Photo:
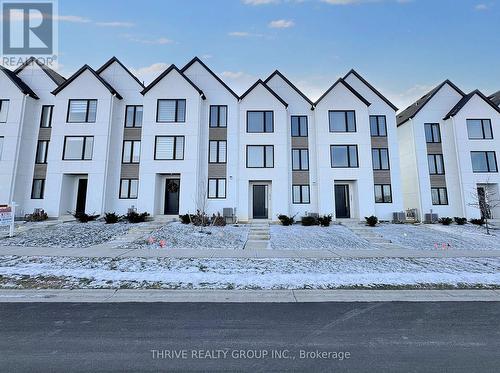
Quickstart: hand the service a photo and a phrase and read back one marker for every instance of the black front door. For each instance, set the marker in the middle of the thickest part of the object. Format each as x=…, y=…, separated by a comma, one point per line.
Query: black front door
x=172, y=188
x=259, y=202
x=81, y=195
x=342, y=210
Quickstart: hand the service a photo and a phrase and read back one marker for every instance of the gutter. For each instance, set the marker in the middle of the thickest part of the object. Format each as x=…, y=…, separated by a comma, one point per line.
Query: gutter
x=16, y=153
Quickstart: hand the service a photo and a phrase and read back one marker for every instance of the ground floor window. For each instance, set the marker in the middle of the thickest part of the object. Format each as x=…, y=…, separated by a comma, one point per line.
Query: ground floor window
x=129, y=188
x=300, y=194
x=216, y=188
x=439, y=196
x=38, y=189
x=383, y=193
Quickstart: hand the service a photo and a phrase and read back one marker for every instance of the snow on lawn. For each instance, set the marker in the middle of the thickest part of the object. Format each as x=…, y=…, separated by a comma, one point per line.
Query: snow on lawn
x=71, y=234
x=178, y=235
x=252, y=273
x=427, y=236
x=297, y=237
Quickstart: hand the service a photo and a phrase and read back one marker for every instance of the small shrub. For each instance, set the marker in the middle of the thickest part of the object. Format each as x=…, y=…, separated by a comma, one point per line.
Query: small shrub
x=111, y=218
x=134, y=217
x=200, y=219
x=477, y=221
x=286, y=220
x=308, y=221
x=82, y=217
x=371, y=220
x=460, y=221
x=38, y=215
x=185, y=219
x=446, y=221
x=325, y=221
x=218, y=220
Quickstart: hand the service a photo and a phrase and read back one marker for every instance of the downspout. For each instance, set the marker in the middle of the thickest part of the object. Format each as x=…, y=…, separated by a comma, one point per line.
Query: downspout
x=462, y=197
x=16, y=153
x=419, y=194
x=106, y=160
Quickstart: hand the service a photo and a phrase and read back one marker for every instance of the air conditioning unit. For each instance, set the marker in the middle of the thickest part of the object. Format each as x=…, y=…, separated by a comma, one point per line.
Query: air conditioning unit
x=431, y=218
x=398, y=217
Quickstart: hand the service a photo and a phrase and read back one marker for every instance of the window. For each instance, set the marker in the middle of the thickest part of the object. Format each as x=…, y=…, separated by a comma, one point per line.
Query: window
x=479, y=129
x=300, y=159
x=383, y=193
x=432, y=132
x=131, y=152
x=342, y=121
x=4, y=109
x=439, y=196
x=129, y=188
x=82, y=111
x=78, y=148
x=300, y=194
x=41, y=151
x=169, y=148
x=171, y=111
x=436, y=164
x=216, y=188
x=378, y=126
x=1, y=147
x=260, y=121
x=299, y=126
x=380, y=159
x=46, y=116
x=217, y=152
x=37, y=188
x=344, y=156
x=133, y=116
x=260, y=156
x=218, y=116
x=484, y=161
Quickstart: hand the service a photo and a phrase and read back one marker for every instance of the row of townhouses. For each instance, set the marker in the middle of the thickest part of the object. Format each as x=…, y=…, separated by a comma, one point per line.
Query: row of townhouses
x=100, y=141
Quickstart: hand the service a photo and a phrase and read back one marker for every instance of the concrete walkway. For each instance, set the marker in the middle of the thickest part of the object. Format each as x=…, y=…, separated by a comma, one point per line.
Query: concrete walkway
x=246, y=296
x=365, y=232
x=258, y=236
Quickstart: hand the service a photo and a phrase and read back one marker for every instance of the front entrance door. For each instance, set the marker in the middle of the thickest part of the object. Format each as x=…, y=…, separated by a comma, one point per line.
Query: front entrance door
x=483, y=205
x=81, y=196
x=260, y=202
x=342, y=210
x=172, y=188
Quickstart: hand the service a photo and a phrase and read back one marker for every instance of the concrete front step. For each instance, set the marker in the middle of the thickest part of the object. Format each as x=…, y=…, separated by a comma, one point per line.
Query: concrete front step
x=256, y=244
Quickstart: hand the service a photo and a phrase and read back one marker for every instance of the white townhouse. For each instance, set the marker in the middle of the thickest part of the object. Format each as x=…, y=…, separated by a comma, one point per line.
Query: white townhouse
x=101, y=141
x=448, y=143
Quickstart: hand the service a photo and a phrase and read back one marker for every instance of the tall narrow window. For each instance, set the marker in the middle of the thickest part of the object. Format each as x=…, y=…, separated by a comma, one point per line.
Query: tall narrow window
x=169, y=148
x=78, y=148
x=300, y=194
x=432, y=133
x=133, y=116
x=260, y=121
x=46, y=116
x=383, y=193
x=378, y=126
x=299, y=126
x=300, y=159
x=38, y=189
x=171, y=111
x=4, y=109
x=344, y=156
x=1, y=147
x=41, y=152
x=129, y=188
x=131, y=152
x=484, y=161
x=380, y=158
x=479, y=129
x=436, y=164
x=82, y=111
x=217, y=152
x=342, y=121
x=260, y=156
x=439, y=196
x=218, y=116
x=216, y=188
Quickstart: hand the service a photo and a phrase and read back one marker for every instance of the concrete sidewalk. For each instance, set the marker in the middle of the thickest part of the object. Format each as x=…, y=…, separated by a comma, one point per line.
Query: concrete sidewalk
x=246, y=296
x=114, y=252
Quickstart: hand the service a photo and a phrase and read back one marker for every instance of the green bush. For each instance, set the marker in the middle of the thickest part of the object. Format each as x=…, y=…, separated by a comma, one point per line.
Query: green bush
x=371, y=220
x=111, y=218
x=286, y=220
x=185, y=219
x=460, y=221
x=84, y=218
x=446, y=220
x=325, y=221
x=477, y=221
x=308, y=221
x=134, y=217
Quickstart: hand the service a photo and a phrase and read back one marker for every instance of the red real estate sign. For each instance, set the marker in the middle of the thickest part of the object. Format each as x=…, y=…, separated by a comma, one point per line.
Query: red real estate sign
x=5, y=215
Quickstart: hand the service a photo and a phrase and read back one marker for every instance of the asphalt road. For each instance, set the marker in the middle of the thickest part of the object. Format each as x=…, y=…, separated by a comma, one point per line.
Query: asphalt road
x=141, y=337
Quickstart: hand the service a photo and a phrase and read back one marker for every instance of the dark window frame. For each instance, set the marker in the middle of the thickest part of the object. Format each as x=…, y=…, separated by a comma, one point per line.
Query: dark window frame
x=88, y=100
x=217, y=187
x=131, y=152
x=218, y=161
x=435, y=157
x=83, y=148
x=432, y=125
x=382, y=190
x=46, y=152
x=300, y=150
x=264, y=123
x=264, y=158
x=1, y=104
x=42, y=190
x=174, y=149
x=177, y=100
x=218, y=124
x=377, y=118
x=134, y=124
x=379, y=151
x=299, y=131
x=346, y=121
x=482, y=129
x=301, y=202
x=51, y=108
x=487, y=161
x=440, y=203
x=129, y=189
x=348, y=156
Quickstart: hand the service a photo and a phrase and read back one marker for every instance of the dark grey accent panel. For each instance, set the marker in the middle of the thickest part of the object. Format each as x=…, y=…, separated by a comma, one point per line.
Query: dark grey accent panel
x=40, y=171
x=380, y=142
x=300, y=177
x=217, y=170
x=434, y=148
x=217, y=133
x=300, y=142
x=382, y=177
x=132, y=133
x=438, y=181
x=44, y=134
x=129, y=171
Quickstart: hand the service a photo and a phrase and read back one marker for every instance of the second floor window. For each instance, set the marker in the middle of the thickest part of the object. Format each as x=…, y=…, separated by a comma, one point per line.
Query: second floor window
x=436, y=164
x=299, y=125
x=133, y=116
x=484, y=161
x=46, y=116
x=4, y=109
x=169, y=148
x=260, y=156
x=479, y=129
x=342, y=121
x=41, y=152
x=300, y=159
x=171, y=111
x=216, y=188
x=217, y=152
x=218, y=116
x=38, y=189
x=344, y=156
x=260, y=121
x=378, y=126
x=78, y=148
x=380, y=159
x=82, y=111
x=432, y=132
x=131, y=151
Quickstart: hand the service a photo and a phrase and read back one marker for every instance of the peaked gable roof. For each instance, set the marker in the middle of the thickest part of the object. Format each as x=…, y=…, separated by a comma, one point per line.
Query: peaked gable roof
x=196, y=59
x=23, y=87
x=113, y=60
x=56, y=77
x=414, y=108
x=347, y=85
x=168, y=71
x=495, y=98
x=454, y=111
x=80, y=72
x=380, y=95
x=260, y=82
x=278, y=73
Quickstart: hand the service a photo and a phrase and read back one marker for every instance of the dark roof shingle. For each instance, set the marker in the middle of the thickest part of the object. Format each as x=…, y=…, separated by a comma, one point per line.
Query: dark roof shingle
x=460, y=104
x=495, y=98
